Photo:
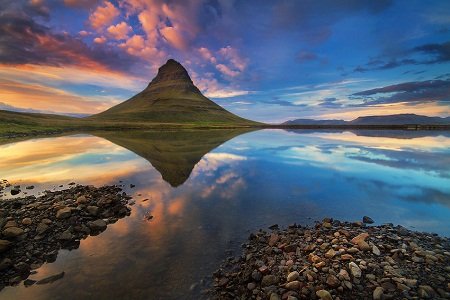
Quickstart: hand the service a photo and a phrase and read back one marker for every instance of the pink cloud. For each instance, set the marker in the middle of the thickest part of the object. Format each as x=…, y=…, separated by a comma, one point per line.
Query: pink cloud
x=207, y=55
x=100, y=40
x=227, y=71
x=174, y=37
x=119, y=31
x=233, y=56
x=103, y=15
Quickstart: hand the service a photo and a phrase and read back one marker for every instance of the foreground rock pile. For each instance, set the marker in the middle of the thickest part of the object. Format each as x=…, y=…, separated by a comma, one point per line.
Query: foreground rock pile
x=338, y=260
x=32, y=230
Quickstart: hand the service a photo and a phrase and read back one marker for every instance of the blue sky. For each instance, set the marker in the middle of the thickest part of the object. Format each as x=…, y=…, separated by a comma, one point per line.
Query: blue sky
x=264, y=60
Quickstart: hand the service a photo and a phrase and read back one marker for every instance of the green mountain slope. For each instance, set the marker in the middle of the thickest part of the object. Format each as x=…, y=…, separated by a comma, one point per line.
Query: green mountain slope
x=171, y=97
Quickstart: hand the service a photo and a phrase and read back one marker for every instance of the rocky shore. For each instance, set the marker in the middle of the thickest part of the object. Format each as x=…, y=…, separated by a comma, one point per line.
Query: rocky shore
x=33, y=229
x=337, y=260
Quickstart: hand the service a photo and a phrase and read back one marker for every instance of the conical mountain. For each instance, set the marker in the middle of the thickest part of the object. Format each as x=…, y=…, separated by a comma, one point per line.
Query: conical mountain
x=171, y=97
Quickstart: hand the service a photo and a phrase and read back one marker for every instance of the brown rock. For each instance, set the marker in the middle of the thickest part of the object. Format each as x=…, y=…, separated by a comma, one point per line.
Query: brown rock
x=360, y=237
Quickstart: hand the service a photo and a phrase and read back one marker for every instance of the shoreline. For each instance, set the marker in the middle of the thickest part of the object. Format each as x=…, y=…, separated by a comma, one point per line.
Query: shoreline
x=337, y=260
x=158, y=127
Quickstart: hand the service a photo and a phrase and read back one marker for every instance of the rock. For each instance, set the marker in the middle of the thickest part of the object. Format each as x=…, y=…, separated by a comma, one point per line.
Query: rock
x=274, y=296
x=65, y=236
x=30, y=187
x=333, y=281
x=97, y=225
x=15, y=191
x=251, y=286
x=290, y=248
x=360, y=237
x=355, y=270
x=81, y=200
x=12, y=232
x=344, y=274
x=256, y=275
x=269, y=280
x=27, y=221
x=330, y=253
x=346, y=257
x=29, y=282
x=4, y=245
x=375, y=250
x=5, y=264
x=324, y=295
x=367, y=220
x=64, y=213
x=363, y=246
x=293, y=285
x=273, y=239
x=41, y=228
x=378, y=293
x=51, y=279
x=293, y=276
x=92, y=210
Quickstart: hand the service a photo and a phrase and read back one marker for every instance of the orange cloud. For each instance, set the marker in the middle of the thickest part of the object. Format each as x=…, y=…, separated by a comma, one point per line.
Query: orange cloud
x=46, y=98
x=103, y=15
x=119, y=31
x=100, y=40
x=174, y=37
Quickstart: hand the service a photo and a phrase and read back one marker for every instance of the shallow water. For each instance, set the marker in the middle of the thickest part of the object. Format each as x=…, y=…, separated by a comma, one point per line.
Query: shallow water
x=207, y=190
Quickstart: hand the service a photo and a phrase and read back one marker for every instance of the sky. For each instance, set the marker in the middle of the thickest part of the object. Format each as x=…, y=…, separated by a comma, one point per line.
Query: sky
x=264, y=60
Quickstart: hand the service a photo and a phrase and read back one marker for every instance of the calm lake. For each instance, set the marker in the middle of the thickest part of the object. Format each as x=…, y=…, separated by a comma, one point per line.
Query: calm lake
x=207, y=190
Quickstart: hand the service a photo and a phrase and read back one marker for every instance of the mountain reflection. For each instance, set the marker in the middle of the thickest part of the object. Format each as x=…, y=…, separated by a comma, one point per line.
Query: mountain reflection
x=173, y=153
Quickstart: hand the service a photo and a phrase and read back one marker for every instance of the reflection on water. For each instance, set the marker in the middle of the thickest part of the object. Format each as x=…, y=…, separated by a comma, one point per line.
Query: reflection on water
x=208, y=189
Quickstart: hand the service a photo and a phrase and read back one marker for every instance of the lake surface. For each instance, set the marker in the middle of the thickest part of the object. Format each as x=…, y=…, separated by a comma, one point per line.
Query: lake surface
x=207, y=190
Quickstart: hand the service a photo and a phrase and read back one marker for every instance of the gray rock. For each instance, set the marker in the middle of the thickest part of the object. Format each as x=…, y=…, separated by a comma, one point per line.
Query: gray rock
x=269, y=280
x=65, y=236
x=367, y=220
x=97, y=225
x=355, y=270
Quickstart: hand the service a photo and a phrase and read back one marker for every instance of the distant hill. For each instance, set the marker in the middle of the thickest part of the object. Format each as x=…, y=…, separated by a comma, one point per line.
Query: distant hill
x=399, y=119
x=171, y=97
x=314, y=122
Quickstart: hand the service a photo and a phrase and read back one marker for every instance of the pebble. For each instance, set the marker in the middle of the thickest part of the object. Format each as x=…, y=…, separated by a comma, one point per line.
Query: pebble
x=378, y=293
x=63, y=213
x=324, y=295
x=354, y=269
x=293, y=276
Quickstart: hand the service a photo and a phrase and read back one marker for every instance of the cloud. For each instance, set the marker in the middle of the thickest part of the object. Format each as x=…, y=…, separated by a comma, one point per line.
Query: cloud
x=174, y=37
x=227, y=71
x=207, y=55
x=426, y=54
x=409, y=92
x=45, y=98
x=119, y=31
x=86, y=4
x=100, y=40
x=103, y=15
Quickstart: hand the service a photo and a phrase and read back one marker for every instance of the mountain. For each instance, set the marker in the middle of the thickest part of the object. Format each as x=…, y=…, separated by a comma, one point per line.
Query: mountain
x=173, y=153
x=314, y=122
x=399, y=119
x=171, y=97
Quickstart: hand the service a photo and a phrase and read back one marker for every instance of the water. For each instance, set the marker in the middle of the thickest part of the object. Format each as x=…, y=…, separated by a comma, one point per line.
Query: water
x=207, y=190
